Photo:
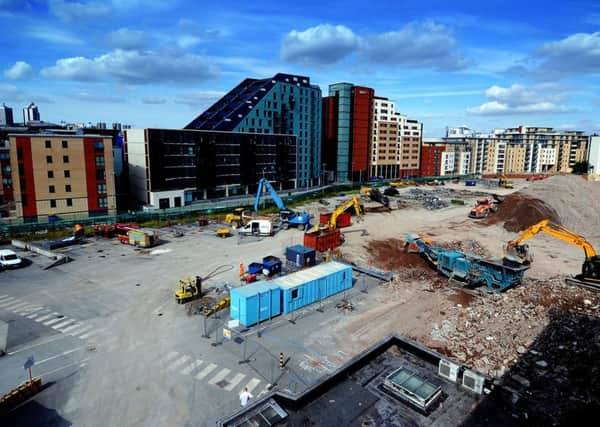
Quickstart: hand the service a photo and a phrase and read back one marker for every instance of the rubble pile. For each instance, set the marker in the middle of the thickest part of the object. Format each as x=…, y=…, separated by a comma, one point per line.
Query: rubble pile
x=495, y=331
x=430, y=199
x=467, y=246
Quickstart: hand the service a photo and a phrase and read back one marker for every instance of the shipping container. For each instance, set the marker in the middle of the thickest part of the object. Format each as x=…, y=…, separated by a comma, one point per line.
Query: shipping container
x=343, y=220
x=323, y=240
x=301, y=255
x=143, y=237
x=271, y=265
x=313, y=284
x=249, y=300
x=255, y=268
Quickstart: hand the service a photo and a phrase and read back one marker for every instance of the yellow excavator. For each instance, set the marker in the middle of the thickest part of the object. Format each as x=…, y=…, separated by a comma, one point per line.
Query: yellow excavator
x=332, y=224
x=504, y=182
x=517, y=251
x=235, y=218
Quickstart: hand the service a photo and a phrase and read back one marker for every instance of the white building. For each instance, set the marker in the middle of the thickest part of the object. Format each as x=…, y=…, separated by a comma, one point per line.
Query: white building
x=594, y=158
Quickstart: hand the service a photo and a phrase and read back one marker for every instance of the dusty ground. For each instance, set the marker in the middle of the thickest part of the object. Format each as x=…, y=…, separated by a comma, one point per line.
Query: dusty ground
x=493, y=333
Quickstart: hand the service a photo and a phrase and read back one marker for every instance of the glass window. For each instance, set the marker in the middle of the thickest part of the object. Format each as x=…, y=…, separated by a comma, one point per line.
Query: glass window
x=51, y=188
x=101, y=188
x=66, y=159
x=48, y=144
x=68, y=188
x=65, y=144
x=69, y=202
x=50, y=174
x=98, y=145
x=100, y=174
x=52, y=203
x=99, y=160
x=102, y=202
x=48, y=159
x=67, y=174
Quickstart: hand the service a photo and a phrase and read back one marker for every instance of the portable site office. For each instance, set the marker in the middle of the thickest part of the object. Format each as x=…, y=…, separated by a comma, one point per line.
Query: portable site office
x=249, y=300
x=313, y=284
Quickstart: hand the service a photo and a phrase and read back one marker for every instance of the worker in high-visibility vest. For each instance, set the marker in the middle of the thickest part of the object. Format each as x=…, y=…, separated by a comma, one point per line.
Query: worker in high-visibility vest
x=242, y=269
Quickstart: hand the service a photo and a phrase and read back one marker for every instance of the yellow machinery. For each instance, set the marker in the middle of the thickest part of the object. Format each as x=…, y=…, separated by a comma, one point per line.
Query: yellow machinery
x=365, y=191
x=223, y=232
x=517, y=251
x=221, y=305
x=332, y=224
x=504, y=182
x=235, y=218
x=402, y=183
x=188, y=289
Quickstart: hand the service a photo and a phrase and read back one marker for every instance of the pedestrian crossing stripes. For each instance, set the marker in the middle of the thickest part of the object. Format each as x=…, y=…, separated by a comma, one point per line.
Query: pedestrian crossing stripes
x=46, y=317
x=220, y=376
x=206, y=371
x=178, y=362
x=169, y=356
x=80, y=331
x=55, y=320
x=252, y=384
x=63, y=324
x=234, y=381
x=191, y=367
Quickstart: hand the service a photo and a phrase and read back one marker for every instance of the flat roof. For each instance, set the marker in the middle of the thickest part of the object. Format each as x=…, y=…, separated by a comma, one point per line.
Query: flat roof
x=300, y=277
x=61, y=135
x=214, y=131
x=254, y=288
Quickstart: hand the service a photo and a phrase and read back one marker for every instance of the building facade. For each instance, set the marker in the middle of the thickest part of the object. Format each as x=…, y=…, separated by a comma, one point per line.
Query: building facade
x=594, y=157
x=175, y=167
x=66, y=176
x=410, y=155
x=6, y=116
x=284, y=104
x=31, y=114
x=386, y=139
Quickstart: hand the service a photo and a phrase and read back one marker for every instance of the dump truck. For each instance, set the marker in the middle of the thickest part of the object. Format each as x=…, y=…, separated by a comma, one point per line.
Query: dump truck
x=483, y=207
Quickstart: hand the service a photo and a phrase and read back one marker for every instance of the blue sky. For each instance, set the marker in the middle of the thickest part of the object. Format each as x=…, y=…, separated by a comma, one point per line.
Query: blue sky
x=484, y=64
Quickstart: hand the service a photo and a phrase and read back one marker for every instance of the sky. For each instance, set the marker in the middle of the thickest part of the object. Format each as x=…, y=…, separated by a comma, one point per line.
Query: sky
x=483, y=64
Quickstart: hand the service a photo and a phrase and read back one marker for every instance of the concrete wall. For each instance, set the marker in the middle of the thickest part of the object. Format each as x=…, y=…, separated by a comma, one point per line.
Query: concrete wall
x=139, y=179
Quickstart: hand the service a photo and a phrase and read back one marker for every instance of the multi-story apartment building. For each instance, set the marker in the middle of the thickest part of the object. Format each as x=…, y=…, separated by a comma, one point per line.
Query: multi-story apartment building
x=62, y=175
x=31, y=114
x=387, y=139
x=441, y=156
x=594, y=157
x=6, y=116
x=410, y=156
x=284, y=104
x=175, y=167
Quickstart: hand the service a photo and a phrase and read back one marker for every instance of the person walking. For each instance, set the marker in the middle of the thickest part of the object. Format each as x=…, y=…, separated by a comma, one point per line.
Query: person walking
x=245, y=396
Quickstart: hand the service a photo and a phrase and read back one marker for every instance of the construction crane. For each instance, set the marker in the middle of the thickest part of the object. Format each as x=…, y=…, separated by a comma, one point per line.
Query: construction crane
x=289, y=218
x=332, y=224
x=517, y=251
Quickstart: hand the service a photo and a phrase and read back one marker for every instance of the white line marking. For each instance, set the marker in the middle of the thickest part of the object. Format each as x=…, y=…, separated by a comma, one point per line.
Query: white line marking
x=31, y=316
x=81, y=364
x=5, y=298
x=24, y=308
x=220, y=376
x=82, y=330
x=53, y=321
x=54, y=337
x=178, y=362
x=91, y=333
x=252, y=384
x=71, y=327
x=48, y=316
x=169, y=356
x=265, y=391
x=29, y=310
x=64, y=353
x=206, y=371
x=11, y=307
x=8, y=302
x=235, y=381
x=63, y=324
x=190, y=368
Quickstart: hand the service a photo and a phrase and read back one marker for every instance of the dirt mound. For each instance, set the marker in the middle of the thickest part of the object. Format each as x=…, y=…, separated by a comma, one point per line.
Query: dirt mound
x=390, y=255
x=519, y=211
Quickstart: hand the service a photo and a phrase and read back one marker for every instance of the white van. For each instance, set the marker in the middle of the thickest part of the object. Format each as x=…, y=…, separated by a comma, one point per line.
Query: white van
x=257, y=227
x=9, y=259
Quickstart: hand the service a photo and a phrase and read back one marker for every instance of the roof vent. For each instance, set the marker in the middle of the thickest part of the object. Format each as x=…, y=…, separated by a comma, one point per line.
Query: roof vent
x=473, y=381
x=448, y=370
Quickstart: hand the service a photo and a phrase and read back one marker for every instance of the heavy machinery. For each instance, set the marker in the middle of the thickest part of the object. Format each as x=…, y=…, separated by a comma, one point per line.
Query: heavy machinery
x=403, y=183
x=376, y=195
x=465, y=269
x=235, y=218
x=188, y=289
x=332, y=224
x=517, y=251
x=482, y=208
x=288, y=217
x=504, y=182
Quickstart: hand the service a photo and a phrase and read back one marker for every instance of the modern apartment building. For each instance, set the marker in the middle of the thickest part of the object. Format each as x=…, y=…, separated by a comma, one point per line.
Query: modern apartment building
x=175, y=167
x=31, y=114
x=594, y=157
x=284, y=104
x=410, y=154
x=62, y=175
x=6, y=116
x=442, y=157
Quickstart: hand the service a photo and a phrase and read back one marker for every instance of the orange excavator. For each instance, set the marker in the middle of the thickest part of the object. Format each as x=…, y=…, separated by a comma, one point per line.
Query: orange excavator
x=483, y=208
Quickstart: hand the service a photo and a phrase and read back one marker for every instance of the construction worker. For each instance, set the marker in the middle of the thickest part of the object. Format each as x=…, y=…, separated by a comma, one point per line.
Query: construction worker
x=245, y=396
x=242, y=269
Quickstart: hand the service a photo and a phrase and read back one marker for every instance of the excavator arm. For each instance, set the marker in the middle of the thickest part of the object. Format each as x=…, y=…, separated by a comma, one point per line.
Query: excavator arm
x=266, y=184
x=516, y=247
x=341, y=209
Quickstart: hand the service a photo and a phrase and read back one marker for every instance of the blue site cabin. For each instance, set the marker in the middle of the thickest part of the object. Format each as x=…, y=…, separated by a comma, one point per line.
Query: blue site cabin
x=259, y=297
x=313, y=284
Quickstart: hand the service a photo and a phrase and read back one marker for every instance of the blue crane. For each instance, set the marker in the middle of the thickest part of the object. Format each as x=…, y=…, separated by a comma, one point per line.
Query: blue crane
x=288, y=217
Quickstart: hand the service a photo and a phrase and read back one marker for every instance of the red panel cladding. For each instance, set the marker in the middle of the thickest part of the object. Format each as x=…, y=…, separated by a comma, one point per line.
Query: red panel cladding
x=24, y=143
x=329, y=132
x=90, y=174
x=362, y=127
x=431, y=160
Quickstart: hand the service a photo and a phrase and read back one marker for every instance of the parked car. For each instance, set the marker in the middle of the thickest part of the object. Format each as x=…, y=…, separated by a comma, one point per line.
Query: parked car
x=9, y=259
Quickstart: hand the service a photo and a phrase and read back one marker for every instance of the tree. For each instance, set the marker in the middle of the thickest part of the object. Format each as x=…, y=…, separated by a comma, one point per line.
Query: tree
x=580, y=168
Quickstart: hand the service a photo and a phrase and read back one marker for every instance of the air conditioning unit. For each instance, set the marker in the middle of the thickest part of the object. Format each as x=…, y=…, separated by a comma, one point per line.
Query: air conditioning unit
x=473, y=381
x=448, y=370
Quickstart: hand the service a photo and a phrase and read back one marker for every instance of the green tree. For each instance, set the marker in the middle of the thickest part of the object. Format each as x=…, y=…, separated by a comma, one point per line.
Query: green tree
x=580, y=168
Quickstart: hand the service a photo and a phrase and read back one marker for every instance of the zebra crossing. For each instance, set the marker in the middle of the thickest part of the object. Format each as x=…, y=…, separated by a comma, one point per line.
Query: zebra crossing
x=211, y=373
x=57, y=321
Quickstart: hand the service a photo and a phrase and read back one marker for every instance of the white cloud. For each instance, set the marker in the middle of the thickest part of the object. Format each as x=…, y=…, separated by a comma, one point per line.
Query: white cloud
x=199, y=98
x=578, y=53
x=519, y=99
x=416, y=45
x=127, y=39
x=153, y=100
x=69, y=11
x=446, y=93
x=52, y=35
x=134, y=67
x=323, y=44
x=96, y=97
x=19, y=71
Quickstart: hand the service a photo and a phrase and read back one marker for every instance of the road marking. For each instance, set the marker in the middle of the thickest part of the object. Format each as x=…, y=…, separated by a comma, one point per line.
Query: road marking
x=188, y=369
x=206, y=371
x=220, y=376
x=91, y=333
x=168, y=357
x=11, y=307
x=235, y=381
x=85, y=328
x=71, y=327
x=48, y=316
x=64, y=353
x=53, y=321
x=29, y=310
x=31, y=316
x=54, y=337
x=63, y=324
x=5, y=298
x=178, y=362
x=9, y=301
x=81, y=364
x=264, y=391
x=252, y=384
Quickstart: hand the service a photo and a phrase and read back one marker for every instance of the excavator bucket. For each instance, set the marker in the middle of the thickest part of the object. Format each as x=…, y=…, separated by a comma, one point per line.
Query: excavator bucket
x=518, y=253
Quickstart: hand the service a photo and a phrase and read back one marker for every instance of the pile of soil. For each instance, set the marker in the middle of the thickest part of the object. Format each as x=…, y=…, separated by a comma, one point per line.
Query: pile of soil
x=390, y=255
x=519, y=211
